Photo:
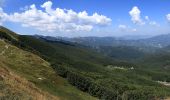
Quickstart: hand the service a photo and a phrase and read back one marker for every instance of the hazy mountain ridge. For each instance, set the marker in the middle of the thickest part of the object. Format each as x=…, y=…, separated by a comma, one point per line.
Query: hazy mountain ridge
x=155, y=41
x=140, y=47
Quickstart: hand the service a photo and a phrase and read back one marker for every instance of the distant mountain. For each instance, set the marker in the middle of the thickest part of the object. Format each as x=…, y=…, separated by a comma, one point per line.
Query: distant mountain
x=117, y=48
x=156, y=41
x=122, y=49
x=133, y=37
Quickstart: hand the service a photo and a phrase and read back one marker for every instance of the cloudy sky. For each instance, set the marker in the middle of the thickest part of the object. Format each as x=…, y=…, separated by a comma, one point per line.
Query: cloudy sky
x=86, y=17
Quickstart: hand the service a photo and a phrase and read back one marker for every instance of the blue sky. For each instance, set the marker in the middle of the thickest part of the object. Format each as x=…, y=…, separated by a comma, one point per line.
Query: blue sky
x=86, y=17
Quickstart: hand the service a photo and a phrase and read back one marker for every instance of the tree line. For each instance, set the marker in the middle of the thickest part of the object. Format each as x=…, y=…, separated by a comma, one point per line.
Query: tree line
x=119, y=92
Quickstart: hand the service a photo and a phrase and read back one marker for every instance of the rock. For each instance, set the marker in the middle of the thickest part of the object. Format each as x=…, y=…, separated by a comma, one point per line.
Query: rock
x=40, y=78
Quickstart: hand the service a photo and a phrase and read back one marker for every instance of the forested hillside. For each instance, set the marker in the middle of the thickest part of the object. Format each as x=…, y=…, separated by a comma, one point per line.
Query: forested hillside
x=92, y=72
x=26, y=76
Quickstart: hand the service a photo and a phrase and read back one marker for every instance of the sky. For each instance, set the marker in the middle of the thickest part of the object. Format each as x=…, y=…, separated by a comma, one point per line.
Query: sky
x=78, y=18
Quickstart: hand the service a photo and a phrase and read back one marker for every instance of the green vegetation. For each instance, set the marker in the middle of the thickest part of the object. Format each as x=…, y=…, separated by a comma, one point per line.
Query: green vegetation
x=14, y=87
x=85, y=69
x=38, y=72
x=128, y=53
x=88, y=71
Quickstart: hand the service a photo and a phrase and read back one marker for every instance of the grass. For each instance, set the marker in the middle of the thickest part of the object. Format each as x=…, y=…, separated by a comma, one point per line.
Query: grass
x=83, y=63
x=39, y=72
x=14, y=87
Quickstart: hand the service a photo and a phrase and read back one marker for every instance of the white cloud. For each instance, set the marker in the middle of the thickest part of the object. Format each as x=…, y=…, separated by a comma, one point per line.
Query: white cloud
x=147, y=18
x=168, y=17
x=122, y=27
x=52, y=20
x=153, y=23
x=150, y=22
x=135, y=16
x=3, y=16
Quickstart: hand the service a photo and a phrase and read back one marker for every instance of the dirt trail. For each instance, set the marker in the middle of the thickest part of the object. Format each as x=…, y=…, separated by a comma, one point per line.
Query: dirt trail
x=167, y=98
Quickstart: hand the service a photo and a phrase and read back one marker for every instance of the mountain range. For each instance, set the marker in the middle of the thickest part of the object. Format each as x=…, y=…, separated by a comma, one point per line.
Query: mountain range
x=85, y=68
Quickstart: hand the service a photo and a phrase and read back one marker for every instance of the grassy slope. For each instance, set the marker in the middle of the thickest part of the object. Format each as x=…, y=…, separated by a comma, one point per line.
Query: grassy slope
x=14, y=87
x=33, y=67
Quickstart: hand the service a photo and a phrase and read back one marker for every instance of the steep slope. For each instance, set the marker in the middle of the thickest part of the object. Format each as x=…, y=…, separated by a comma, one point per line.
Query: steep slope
x=14, y=87
x=12, y=84
x=34, y=73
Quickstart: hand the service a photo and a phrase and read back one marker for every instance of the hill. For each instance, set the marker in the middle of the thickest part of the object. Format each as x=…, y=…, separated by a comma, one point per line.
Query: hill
x=84, y=68
x=89, y=71
x=21, y=70
x=14, y=87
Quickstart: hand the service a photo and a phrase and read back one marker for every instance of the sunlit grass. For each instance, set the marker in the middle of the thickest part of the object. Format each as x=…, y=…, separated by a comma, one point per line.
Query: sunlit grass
x=39, y=72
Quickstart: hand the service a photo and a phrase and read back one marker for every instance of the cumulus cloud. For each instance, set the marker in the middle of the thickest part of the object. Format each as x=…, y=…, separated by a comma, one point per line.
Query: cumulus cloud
x=150, y=22
x=135, y=16
x=168, y=17
x=52, y=20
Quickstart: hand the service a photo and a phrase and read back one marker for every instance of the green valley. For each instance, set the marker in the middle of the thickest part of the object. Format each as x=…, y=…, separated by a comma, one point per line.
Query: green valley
x=89, y=71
